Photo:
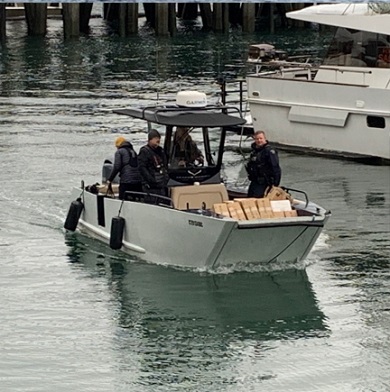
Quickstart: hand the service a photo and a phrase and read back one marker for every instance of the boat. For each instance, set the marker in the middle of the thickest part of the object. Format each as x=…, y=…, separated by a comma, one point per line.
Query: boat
x=202, y=224
x=340, y=107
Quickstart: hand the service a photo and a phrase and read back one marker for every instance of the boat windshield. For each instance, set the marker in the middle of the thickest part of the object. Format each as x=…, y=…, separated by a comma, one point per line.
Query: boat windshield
x=191, y=147
x=359, y=49
x=194, y=153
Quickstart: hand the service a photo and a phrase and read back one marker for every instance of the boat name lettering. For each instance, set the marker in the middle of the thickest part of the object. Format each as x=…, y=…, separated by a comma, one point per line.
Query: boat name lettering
x=195, y=223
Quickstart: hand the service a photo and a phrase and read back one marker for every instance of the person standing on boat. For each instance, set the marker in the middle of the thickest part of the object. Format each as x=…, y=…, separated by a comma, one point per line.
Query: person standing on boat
x=153, y=165
x=126, y=164
x=263, y=166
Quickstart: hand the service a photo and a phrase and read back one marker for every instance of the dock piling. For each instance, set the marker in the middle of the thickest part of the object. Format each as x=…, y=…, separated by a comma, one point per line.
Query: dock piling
x=2, y=24
x=206, y=15
x=36, y=18
x=71, y=17
x=132, y=18
x=248, y=17
x=172, y=19
x=162, y=10
x=161, y=16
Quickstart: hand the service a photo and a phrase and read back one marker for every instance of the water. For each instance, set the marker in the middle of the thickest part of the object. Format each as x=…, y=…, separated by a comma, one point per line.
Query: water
x=77, y=316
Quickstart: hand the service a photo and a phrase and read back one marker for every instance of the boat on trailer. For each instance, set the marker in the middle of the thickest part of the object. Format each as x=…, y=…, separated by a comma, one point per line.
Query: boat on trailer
x=339, y=108
x=201, y=224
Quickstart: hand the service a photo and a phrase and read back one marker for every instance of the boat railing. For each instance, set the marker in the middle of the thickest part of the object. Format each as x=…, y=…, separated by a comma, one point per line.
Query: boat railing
x=338, y=70
x=233, y=92
x=289, y=190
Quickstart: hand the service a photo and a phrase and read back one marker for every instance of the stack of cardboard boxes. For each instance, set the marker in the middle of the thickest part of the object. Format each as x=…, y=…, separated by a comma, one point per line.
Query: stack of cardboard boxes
x=252, y=208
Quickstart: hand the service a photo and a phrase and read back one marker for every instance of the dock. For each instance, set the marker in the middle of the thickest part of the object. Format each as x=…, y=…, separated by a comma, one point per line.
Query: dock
x=162, y=17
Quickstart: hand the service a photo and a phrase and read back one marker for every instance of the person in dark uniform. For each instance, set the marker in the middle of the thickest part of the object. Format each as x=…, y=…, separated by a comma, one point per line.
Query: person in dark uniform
x=153, y=165
x=263, y=167
x=126, y=164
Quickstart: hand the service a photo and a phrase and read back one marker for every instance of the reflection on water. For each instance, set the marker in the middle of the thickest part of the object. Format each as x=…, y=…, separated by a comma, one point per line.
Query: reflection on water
x=175, y=320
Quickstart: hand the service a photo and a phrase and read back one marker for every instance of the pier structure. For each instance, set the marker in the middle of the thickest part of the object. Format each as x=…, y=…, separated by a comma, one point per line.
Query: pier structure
x=162, y=17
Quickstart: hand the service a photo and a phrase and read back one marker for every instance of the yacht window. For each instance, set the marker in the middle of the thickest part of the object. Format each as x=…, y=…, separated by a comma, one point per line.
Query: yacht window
x=358, y=49
x=376, y=122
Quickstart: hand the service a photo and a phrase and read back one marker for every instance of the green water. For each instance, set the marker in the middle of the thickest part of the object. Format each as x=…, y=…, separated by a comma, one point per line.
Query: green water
x=77, y=316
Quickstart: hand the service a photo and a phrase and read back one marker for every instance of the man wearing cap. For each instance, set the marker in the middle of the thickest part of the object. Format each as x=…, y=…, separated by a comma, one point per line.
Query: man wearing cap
x=153, y=165
x=126, y=164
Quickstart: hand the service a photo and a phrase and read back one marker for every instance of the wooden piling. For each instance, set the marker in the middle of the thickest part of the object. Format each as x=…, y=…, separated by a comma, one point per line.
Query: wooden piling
x=36, y=18
x=2, y=24
x=206, y=15
x=271, y=18
x=217, y=17
x=172, y=19
x=122, y=19
x=132, y=18
x=248, y=17
x=225, y=16
x=187, y=11
x=281, y=9
x=235, y=16
x=161, y=19
x=71, y=17
x=85, y=16
x=150, y=14
x=161, y=16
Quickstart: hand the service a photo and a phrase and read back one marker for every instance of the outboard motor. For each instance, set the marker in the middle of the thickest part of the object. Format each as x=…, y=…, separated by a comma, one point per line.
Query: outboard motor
x=74, y=213
x=106, y=171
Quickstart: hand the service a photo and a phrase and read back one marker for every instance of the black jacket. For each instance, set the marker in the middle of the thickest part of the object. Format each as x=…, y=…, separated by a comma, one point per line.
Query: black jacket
x=126, y=164
x=263, y=166
x=153, y=166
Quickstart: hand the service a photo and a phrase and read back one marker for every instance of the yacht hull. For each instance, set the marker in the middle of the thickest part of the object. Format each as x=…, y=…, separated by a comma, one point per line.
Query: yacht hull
x=338, y=119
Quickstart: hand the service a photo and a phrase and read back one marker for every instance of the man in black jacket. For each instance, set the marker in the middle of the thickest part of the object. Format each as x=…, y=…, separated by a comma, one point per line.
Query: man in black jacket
x=153, y=165
x=126, y=164
x=263, y=166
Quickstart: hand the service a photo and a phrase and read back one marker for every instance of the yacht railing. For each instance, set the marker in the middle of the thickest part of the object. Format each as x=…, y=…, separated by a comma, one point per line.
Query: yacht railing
x=235, y=95
x=337, y=71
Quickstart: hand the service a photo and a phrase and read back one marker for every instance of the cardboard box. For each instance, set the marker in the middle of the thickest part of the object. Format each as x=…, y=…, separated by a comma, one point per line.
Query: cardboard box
x=264, y=205
x=221, y=209
x=266, y=214
x=236, y=211
x=278, y=214
x=280, y=205
x=250, y=208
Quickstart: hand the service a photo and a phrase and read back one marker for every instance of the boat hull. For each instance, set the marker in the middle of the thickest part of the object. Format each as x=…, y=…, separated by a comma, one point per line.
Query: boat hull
x=323, y=117
x=167, y=236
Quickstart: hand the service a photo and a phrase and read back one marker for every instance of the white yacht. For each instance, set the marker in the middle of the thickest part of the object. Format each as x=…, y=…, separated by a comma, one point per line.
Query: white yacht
x=341, y=107
x=201, y=224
